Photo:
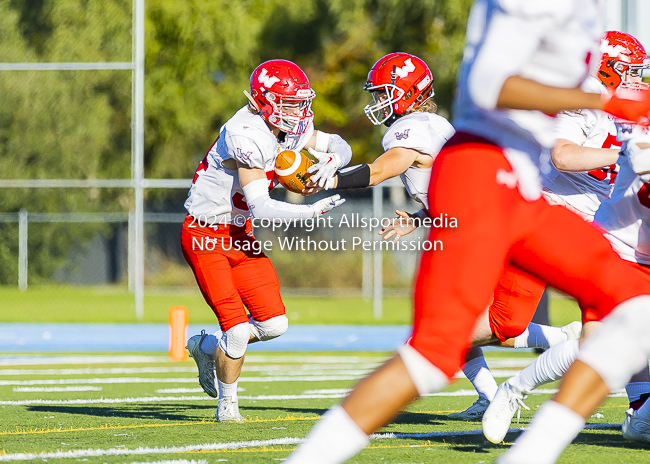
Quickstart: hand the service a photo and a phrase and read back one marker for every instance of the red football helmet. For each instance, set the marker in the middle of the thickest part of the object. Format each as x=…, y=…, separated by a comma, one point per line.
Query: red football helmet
x=623, y=58
x=398, y=82
x=280, y=91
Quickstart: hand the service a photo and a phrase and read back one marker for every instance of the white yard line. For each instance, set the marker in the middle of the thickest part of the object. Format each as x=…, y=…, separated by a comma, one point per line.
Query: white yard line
x=31, y=360
x=179, y=390
x=175, y=461
x=56, y=389
x=235, y=445
x=275, y=368
x=147, y=450
x=126, y=380
x=116, y=370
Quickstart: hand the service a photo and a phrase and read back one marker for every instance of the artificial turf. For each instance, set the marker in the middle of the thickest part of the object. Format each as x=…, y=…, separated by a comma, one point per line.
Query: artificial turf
x=144, y=408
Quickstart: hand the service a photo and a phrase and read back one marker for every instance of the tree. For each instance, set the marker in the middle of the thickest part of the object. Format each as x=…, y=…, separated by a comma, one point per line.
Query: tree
x=199, y=56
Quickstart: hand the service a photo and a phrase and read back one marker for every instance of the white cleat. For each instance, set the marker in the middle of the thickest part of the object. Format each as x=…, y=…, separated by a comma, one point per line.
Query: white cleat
x=498, y=416
x=473, y=413
x=204, y=362
x=634, y=428
x=573, y=330
x=228, y=410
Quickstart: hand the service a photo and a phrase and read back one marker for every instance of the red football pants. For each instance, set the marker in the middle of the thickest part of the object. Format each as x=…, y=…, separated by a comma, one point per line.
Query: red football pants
x=231, y=274
x=515, y=301
x=497, y=227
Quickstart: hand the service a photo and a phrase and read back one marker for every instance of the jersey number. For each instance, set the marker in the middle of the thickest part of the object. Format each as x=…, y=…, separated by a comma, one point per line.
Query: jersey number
x=608, y=172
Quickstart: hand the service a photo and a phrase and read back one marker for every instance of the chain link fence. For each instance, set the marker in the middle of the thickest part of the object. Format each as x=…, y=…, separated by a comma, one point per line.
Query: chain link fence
x=63, y=250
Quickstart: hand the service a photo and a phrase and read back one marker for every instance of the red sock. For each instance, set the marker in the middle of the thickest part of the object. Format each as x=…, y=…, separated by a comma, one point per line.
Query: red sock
x=638, y=403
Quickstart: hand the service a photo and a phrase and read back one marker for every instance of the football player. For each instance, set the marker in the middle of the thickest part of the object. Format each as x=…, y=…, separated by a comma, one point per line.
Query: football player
x=402, y=88
x=231, y=186
x=517, y=71
x=584, y=141
x=625, y=218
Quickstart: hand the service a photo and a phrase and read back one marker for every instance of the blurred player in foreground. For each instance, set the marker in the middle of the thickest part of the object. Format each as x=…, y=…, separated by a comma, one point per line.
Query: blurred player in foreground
x=625, y=217
x=584, y=141
x=402, y=89
x=231, y=186
x=517, y=71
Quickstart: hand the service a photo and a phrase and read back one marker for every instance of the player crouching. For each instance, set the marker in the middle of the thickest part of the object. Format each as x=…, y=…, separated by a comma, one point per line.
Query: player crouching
x=231, y=186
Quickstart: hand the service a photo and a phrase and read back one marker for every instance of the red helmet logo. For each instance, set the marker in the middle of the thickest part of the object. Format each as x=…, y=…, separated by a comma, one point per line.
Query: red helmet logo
x=398, y=82
x=280, y=91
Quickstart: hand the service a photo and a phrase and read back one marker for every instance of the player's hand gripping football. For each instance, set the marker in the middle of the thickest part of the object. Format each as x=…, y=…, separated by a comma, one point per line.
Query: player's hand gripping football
x=401, y=226
x=629, y=104
x=322, y=173
x=327, y=204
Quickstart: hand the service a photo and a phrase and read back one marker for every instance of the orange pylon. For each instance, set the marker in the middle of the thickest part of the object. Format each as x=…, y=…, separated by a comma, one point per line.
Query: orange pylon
x=178, y=320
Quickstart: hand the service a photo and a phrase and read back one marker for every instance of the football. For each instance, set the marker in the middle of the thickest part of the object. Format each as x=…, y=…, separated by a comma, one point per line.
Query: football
x=291, y=168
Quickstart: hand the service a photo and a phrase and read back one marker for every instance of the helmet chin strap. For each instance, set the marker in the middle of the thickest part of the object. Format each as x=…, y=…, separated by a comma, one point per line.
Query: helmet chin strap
x=392, y=118
x=252, y=101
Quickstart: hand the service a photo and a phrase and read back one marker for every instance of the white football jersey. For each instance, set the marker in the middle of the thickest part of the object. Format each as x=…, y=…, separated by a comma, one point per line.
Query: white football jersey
x=426, y=133
x=216, y=195
x=585, y=191
x=552, y=42
x=626, y=215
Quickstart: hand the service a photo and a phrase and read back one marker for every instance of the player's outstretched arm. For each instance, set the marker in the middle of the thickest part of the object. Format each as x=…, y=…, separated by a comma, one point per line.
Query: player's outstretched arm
x=571, y=157
x=519, y=93
x=391, y=164
x=255, y=186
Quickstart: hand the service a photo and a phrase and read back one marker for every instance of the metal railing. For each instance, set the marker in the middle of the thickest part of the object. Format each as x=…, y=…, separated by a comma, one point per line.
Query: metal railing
x=372, y=260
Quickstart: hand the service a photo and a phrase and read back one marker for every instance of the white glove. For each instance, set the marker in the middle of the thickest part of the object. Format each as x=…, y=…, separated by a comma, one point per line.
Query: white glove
x=323, y=172
x=327, y=204
x=639, y=158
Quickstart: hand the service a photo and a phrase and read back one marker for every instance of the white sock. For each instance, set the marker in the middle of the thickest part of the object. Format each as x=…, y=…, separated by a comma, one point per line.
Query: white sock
x=548, y=367
x=551, y=430
x=636, y=389
x=227, y=389
x=210, y=342
x=540, y=336
x=334, y=439
x=478, y=372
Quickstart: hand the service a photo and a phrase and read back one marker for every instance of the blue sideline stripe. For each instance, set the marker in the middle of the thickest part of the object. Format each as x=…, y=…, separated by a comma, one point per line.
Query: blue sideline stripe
x=61, y=338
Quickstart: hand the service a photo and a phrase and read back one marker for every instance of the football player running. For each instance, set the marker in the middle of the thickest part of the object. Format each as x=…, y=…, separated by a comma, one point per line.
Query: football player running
x=516, y=72
x=584, y=141
x=625, y=218
x=231, y=186
x=402, y=90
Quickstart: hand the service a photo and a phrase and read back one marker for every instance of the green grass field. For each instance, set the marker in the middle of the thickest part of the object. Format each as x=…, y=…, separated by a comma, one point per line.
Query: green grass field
x=144, y=408
x=118, y=408
x=106, y=304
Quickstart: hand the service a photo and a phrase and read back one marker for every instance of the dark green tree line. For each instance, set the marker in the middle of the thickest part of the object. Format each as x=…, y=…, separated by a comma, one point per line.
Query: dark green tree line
x=199, y=56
